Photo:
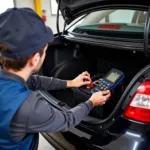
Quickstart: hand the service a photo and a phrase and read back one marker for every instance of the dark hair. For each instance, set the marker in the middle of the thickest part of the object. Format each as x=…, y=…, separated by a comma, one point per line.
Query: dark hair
x=14, y=64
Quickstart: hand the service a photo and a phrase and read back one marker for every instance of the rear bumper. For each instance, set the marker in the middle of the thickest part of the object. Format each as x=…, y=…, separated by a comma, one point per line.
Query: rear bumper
x=123, y=135
x=127, y=141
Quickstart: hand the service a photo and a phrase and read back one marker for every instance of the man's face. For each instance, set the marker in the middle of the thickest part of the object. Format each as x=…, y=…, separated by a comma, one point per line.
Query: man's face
x=41, y=60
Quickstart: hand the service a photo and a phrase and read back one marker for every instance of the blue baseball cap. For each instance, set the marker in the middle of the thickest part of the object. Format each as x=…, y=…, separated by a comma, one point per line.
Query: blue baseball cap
x=24, y=32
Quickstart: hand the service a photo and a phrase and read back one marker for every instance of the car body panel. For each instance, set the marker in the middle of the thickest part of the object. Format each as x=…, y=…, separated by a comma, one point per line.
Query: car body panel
x=123, y=135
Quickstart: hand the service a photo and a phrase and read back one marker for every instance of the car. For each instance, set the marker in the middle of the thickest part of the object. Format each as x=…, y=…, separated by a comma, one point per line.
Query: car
x=99, y=36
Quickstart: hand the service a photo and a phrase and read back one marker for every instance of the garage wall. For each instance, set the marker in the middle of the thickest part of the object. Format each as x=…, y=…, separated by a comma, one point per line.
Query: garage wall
x=46, y=5
x=51, y=19
x=24, y=3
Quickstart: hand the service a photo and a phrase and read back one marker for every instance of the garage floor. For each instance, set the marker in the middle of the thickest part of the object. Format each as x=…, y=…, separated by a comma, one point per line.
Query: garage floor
x=44, y=145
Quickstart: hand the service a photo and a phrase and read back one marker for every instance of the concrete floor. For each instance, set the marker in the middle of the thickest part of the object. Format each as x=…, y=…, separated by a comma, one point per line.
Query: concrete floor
x=44, y=145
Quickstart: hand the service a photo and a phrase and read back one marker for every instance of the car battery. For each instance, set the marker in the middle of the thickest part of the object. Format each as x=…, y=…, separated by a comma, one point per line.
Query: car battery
x=82, y=94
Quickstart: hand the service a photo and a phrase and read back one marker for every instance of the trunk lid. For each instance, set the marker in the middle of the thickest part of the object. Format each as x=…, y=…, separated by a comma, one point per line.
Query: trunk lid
x=70, y=9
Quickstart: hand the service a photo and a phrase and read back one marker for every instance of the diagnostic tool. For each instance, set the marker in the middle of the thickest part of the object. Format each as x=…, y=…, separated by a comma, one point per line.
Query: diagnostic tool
x=113, y=81
x=113, y=78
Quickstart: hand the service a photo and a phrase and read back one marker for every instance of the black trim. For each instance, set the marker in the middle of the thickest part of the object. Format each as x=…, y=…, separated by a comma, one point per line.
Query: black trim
x=131, y=93
x=55, y=142
x=106, y=43
x=146, y=35
x=57, y=19
x=106, y=37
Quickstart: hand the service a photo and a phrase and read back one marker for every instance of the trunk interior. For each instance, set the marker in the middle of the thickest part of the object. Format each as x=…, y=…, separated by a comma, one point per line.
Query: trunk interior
x=66, y=61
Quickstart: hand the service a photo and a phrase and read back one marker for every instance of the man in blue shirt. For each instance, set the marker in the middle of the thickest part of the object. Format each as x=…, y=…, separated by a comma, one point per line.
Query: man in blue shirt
x=24, y=112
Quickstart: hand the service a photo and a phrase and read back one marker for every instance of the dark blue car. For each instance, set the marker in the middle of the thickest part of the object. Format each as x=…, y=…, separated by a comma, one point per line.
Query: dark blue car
x=100, y=35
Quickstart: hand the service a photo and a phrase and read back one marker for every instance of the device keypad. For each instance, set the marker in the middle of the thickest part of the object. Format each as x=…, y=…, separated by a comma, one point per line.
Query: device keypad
x=101, y=85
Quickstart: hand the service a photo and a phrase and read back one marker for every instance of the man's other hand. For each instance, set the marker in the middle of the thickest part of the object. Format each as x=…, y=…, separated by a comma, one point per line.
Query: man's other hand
x=82, y=79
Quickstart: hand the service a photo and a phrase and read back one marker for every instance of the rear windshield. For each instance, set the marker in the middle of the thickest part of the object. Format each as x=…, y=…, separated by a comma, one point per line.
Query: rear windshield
x=114, y=22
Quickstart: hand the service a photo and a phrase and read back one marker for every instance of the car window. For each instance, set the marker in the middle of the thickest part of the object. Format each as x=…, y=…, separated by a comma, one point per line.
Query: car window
x=121, y=16
x=116, y=21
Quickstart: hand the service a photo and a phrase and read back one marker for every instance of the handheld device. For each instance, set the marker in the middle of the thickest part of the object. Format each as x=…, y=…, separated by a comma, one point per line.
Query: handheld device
x=112, y=79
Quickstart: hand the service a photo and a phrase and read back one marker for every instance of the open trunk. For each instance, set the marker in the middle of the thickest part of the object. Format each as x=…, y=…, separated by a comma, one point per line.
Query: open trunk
x=66, y=60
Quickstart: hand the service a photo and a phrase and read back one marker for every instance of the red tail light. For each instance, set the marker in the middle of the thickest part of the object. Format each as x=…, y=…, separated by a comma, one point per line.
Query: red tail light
x=139, y=106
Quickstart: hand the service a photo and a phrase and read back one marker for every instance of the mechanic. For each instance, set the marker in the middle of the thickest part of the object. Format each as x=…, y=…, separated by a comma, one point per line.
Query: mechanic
x=24, y=112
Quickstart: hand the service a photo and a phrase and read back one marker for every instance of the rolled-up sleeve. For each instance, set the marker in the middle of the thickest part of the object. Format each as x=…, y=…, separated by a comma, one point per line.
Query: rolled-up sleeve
x=36, y=82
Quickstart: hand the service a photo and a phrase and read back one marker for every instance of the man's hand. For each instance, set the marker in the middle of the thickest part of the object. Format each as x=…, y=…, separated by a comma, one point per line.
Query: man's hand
x=100, y=98
x=82, y=79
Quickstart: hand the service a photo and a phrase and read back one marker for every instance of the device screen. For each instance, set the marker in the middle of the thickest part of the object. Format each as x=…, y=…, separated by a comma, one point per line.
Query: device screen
x=113, y=76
